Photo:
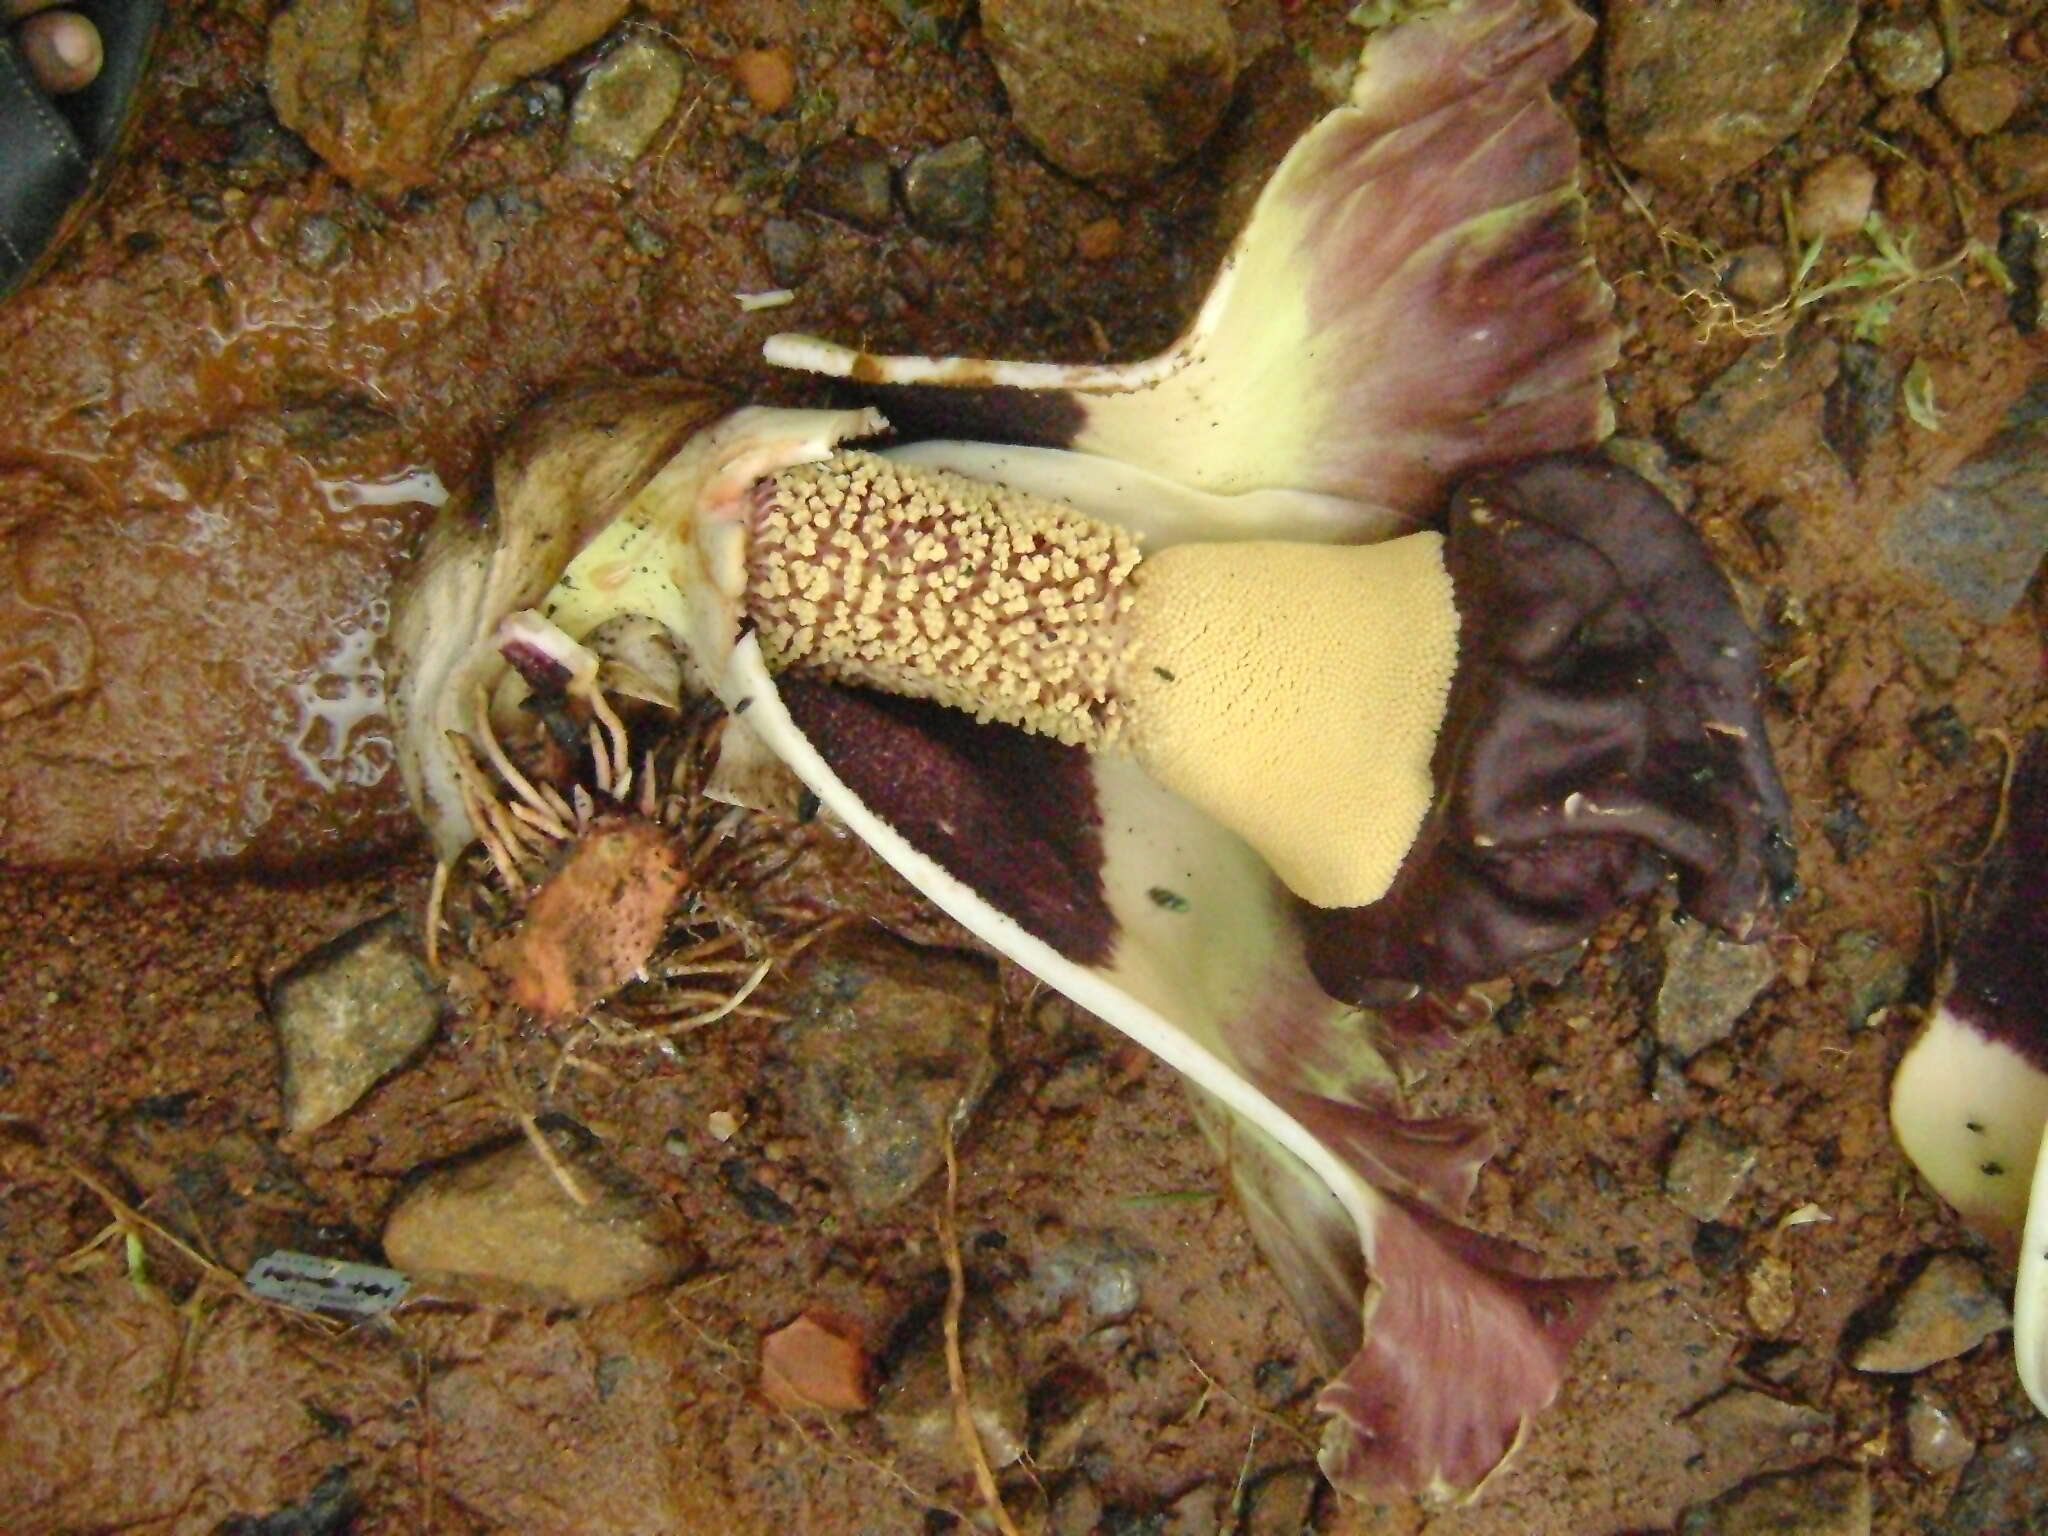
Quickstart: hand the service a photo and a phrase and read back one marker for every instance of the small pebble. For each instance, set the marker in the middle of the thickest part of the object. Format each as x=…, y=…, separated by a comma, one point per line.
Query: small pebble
x=1834, y=198
x=1756, y=276
x=1100, y=239
x=318, y=243
x=946, y=190
x=1935, y=1437
x=768, y=76
x=1900, y=59
x=1707, y=1169
x=1980, y=99
x=1770, y=1295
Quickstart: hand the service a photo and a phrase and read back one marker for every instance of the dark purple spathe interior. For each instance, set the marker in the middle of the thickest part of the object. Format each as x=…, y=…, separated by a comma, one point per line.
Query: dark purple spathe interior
x=1604, y=729
x=1011, y=816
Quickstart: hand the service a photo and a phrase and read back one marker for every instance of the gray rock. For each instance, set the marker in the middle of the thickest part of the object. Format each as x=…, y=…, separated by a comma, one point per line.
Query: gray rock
x=847, y=179
x=1099, y=1271
x=1113, y=91
x=348, y=1014
x=2004, y=1489
x=318, y=242
x=1935, y=1438
x=1709, y=983
x=1743, y=1430
x=946, y=190
x=1866, y=973
x=499, y=1226
x=1750, y=396
x=1980, y=535
x=1946, y=1310
x=1980, y=98
x=2023, y=247
x=622, y=104
x=915, y=1406
x=1692, y=99
x=890, y=1044
x=1824, y=1500
x=1707, y=1169
x=1901, y=58
x=790, y=249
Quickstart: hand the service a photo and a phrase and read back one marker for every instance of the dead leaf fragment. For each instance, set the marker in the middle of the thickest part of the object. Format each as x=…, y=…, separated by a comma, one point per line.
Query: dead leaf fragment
x=815, y=1362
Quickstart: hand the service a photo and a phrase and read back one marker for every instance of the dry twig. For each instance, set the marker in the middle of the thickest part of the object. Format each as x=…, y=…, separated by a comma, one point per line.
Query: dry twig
x=956, y=1371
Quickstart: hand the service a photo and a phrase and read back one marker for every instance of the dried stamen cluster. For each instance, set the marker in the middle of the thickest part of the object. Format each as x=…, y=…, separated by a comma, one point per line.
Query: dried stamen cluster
x=926, y=583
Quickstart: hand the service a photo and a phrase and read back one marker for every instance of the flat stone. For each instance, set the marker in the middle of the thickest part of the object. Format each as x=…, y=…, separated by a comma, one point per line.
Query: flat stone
x=1980, y=535
x=1707, y=1169
x=915, y=1406
x=622, y=105
x=1709, y=983
x=1946, y=1310
x=1980, y=98
x=890, y=1044
x=1866, y=973
x=2004, y=1489
x=1824, y=1500
x=1693, y=99
x=847, y=179
x=1935, y=1438
x=1113, y=91
x=349, y=1014
x=1743, y=1430
x=1900, y=58
x=1753, y=393
x=946, y=190
x=382, y=92
x=499, y=1225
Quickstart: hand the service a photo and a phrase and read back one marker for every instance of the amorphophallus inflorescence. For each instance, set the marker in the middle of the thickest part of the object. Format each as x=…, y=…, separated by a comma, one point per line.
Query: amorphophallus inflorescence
x=1192, y=699
x=1970, y=1100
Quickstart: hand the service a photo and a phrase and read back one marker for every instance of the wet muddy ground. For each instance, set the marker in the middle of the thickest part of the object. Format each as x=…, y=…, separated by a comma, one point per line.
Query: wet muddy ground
x=211, y=429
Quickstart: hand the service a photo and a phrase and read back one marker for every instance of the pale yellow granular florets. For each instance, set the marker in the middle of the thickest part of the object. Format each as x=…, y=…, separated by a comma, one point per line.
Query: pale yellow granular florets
x=1295, y=692
x=927, y=584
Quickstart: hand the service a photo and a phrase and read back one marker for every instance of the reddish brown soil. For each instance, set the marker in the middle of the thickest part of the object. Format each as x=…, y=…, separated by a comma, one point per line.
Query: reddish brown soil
x=151, y=481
